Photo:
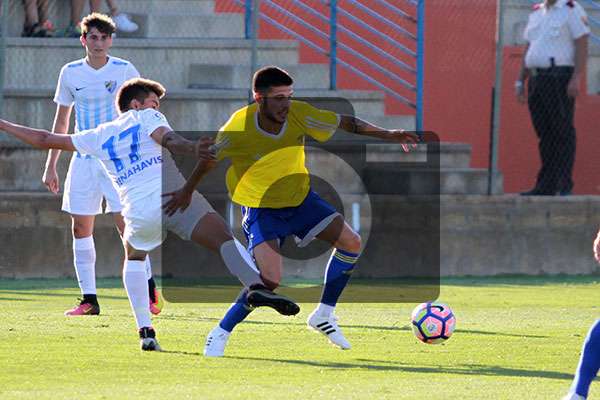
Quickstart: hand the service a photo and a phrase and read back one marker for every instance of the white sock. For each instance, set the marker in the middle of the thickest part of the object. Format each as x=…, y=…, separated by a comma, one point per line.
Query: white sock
x=84, y=258
x=325, y=310
x=148, y=268
x=240, y=262
x=136, y=285
x=220, y=331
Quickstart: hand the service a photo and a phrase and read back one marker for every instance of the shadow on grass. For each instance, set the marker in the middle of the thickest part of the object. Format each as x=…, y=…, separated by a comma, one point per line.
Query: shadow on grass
x=70, y=283
x=386, y=365
x=25, y=293
x=520, y=280
x=302, y=324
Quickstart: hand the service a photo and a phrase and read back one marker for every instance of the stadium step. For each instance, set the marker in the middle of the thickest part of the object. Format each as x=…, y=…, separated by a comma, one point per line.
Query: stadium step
x=186, y=24
x=22, y=166
x=206, y=79
x=188, y=109
x=171, y=58
x=163, y=6
x=145, y=13
x=428, y=181
x=204, y=75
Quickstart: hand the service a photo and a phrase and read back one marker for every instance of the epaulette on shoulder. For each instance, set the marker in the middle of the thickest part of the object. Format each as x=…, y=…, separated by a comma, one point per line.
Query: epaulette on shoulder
x=536, y=7
x=571, y=4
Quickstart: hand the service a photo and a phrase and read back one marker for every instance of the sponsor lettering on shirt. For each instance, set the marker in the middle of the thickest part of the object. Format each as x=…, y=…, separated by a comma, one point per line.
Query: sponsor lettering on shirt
x=139, y=167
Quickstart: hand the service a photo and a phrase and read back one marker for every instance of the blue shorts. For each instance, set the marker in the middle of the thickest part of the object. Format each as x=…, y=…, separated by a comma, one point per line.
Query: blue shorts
x=304, y=221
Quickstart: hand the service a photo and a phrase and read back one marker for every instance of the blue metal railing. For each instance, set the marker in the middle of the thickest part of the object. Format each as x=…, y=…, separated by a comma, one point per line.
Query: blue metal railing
x=334, y=43
x=591, y=19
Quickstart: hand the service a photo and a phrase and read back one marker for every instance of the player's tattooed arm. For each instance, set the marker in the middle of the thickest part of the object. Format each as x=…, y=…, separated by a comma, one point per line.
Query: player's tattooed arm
x=353, y=124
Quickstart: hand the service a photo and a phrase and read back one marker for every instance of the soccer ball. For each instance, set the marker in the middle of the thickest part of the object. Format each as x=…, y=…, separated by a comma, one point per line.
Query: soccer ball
x=433, y=322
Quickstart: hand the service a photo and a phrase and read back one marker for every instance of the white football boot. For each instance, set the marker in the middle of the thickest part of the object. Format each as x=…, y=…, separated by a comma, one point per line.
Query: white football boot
x=216, y=341
x=328, y=326
x=573, y=396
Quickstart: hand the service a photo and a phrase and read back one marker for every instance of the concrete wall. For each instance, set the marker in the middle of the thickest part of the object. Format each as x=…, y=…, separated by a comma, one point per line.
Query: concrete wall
x=478, y=235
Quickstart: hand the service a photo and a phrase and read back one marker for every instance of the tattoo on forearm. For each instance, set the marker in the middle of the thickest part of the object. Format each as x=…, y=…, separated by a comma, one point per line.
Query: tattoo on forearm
x=354, y=125
x=360, y=126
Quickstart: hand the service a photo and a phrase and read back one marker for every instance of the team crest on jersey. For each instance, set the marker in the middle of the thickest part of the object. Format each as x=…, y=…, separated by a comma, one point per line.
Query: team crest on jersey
x=110, y=86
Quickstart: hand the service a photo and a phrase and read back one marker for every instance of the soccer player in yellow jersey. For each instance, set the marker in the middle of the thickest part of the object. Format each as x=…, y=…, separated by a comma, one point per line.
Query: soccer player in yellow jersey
x=268, y=177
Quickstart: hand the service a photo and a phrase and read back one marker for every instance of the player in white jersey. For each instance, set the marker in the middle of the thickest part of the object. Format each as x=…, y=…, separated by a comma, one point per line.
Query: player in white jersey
x=130, y=149
x=90, y=86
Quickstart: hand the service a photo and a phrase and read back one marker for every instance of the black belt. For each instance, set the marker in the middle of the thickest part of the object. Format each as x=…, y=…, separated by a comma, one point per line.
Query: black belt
x=550, y=70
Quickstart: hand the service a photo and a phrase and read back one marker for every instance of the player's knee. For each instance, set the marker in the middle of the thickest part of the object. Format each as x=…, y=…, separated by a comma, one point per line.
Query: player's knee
x=352, y=243
x=81, y=231
x=271, y=280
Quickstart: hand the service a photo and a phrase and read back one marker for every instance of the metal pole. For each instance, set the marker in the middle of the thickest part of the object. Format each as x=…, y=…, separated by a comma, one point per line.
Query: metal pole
x=248, y=19
x=420, y=63
x=493, y=168
x=4, y=28
x=254, y=61
x=333, y=46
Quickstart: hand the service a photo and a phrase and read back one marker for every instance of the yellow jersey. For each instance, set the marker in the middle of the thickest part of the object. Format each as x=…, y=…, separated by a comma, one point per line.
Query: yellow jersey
x=269, y=171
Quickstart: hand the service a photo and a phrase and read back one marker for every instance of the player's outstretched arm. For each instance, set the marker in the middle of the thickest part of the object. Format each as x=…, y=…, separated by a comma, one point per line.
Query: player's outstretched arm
x=39, y=138
x=352, y=124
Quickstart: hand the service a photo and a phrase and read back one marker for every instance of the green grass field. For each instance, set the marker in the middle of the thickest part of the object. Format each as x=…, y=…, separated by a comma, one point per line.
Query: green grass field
x=516, y=338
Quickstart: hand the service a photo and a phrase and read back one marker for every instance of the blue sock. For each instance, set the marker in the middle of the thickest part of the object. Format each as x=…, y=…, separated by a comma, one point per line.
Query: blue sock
x=589, y=363
x=339, y=269
x=238, y=311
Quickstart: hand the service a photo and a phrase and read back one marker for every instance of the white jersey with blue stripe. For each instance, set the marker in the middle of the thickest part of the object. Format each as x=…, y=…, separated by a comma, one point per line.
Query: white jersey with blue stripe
x=133, y=160
x=93, y=91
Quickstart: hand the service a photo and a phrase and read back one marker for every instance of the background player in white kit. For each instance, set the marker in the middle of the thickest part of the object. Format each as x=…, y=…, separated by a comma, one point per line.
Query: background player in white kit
x=90, y=85
x=130, y=149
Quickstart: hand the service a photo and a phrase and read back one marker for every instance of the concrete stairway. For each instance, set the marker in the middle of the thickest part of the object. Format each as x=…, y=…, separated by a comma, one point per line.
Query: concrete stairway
x=207, y=74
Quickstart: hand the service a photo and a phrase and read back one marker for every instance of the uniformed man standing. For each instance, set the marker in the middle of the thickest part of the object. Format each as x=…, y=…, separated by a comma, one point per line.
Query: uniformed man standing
x=555, y=55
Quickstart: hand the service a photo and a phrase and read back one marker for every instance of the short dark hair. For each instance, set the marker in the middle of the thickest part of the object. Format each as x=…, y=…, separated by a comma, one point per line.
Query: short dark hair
x=102, y=22
x=268, y=77
x=139, y=89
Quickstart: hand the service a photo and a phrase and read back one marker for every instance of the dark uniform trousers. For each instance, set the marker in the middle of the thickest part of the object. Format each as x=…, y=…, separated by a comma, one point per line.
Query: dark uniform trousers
x=552, y=113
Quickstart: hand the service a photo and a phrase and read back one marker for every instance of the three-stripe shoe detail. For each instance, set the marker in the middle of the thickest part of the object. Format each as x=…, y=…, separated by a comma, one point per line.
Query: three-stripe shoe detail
x=326, y=328
x=327, y=325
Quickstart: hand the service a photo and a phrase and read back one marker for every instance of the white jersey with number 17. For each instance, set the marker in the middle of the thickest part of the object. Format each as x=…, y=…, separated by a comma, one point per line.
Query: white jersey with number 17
x=133, y=160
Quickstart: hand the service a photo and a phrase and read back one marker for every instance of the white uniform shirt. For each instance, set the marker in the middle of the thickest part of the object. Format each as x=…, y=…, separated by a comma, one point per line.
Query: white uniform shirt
x=551, y=33
x=133, y=160
x=93, y=91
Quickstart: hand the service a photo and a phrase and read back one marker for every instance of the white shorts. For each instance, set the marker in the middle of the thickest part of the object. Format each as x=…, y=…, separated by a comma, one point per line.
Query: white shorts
x=146, y=223
x=86, y=184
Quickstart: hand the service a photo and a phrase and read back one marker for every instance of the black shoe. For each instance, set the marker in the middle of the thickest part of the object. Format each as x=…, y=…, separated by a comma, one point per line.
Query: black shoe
x=535, y=192
x=565, y=193
x=261, y=296
x=148, y=340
